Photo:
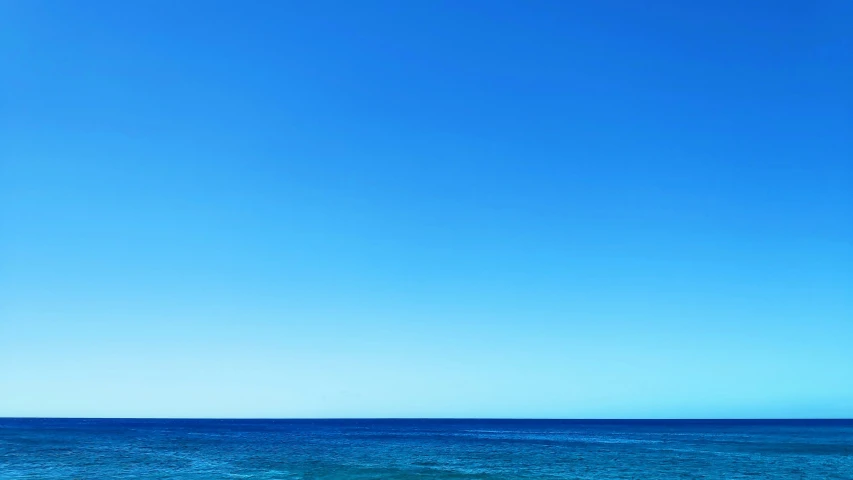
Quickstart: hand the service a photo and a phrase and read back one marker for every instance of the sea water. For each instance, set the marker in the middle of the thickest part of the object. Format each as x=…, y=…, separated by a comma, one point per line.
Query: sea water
x=425, y=449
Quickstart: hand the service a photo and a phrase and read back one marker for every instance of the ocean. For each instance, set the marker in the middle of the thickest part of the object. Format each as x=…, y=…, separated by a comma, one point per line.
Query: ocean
x=425, y=449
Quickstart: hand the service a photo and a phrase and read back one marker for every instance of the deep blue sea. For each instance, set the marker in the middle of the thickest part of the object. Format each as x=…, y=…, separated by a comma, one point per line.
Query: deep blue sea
x=422, y=449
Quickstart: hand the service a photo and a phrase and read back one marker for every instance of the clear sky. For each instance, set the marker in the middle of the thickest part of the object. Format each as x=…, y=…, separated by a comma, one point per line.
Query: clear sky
x=426, y=208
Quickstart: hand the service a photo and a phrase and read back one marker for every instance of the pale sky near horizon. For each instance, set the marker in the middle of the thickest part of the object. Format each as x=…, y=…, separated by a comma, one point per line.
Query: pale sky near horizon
x=426, y=209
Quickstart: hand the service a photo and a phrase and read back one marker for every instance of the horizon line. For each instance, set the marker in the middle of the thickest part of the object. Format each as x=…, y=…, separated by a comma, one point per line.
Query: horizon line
x=579, y=419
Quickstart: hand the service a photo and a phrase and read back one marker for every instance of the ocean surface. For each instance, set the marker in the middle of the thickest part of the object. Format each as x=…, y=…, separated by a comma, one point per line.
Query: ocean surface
x=423, y=449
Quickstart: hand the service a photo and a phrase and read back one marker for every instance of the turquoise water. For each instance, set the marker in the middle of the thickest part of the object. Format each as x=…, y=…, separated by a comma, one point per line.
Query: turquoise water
x=422, y=449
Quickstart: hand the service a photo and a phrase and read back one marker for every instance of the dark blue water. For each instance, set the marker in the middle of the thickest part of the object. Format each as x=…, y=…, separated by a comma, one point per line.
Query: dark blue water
x=410, y=449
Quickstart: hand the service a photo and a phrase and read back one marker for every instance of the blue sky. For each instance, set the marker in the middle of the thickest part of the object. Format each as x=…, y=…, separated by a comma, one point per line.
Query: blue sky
x=429, y=209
